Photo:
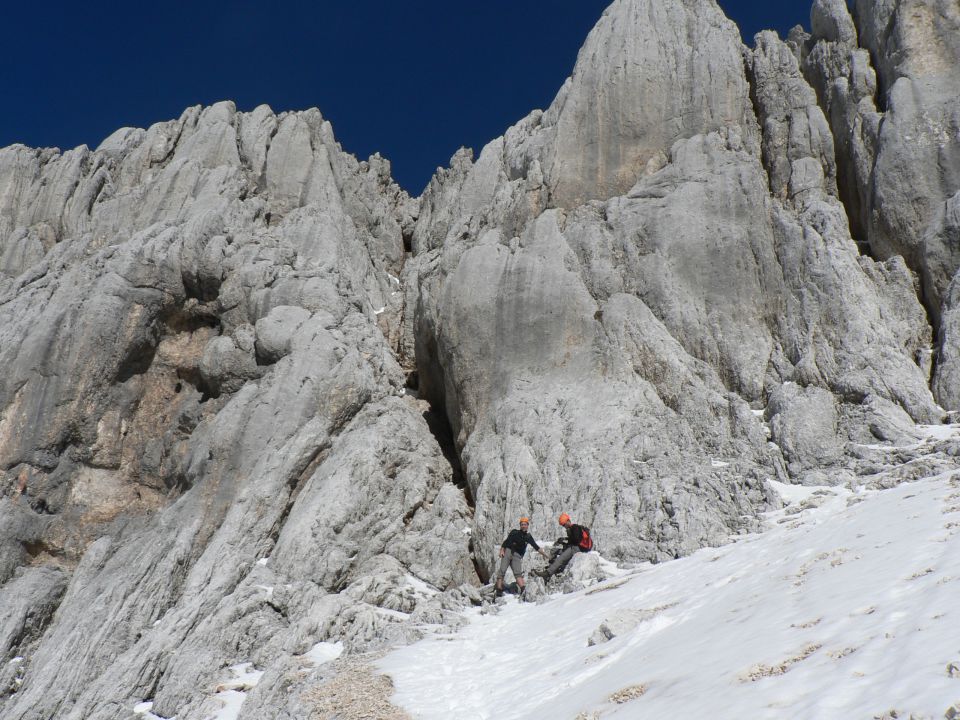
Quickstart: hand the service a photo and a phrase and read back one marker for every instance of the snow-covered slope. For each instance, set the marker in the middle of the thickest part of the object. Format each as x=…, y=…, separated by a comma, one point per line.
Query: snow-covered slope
x=845, y=608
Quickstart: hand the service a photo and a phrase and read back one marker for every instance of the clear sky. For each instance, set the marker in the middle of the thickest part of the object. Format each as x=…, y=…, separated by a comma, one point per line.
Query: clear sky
x=413, y=80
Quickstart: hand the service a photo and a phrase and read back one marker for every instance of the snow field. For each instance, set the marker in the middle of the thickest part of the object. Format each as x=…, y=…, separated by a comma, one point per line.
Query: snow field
x=845, y=608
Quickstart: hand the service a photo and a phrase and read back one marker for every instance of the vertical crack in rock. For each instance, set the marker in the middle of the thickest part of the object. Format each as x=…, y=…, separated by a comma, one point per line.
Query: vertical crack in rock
x=440, y=428
x=439, y=425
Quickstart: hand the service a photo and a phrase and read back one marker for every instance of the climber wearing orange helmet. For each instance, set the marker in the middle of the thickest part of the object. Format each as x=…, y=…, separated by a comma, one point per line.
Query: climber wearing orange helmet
x=578, y=540
x=511, y=553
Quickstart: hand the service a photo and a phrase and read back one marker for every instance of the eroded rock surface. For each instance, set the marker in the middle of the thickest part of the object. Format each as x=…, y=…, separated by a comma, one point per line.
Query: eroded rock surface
x=198, y=381
x=890, y=91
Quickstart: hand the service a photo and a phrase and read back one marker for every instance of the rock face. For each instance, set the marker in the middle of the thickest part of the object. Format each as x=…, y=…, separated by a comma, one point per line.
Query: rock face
x=890, y=89
x=198, y=380
x=644, y=323
x=257, y=398
x=649, y=74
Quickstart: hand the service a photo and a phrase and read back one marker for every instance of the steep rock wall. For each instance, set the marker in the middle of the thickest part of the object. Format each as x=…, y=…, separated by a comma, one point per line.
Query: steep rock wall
x=887, y=79
x=649, y=320
x=636, y=306
x=201, y=377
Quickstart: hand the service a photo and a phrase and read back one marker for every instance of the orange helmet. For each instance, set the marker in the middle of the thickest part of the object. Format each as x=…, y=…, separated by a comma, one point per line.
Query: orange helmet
x=563, y=519
x=525, y=520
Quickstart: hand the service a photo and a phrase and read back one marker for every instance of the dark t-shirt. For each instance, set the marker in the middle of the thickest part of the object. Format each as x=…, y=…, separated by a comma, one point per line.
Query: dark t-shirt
x=574, y=535
x=518, y=540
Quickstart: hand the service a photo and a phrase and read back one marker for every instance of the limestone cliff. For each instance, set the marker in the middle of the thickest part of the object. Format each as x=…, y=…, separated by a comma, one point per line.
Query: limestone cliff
x=255, y=397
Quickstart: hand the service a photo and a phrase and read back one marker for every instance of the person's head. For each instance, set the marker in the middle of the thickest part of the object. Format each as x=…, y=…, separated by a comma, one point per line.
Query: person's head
x=524, y=523
x=564, y=520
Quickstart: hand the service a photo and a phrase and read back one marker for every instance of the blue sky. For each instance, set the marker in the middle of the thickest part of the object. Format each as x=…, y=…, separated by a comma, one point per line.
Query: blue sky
x=413, y=80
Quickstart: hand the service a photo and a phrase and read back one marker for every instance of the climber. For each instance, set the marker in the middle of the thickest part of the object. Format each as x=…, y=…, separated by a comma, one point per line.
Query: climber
x=578, y=540
x=511, y=553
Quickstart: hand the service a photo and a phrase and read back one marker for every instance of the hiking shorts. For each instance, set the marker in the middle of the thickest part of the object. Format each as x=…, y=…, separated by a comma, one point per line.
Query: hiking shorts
x=512, y=560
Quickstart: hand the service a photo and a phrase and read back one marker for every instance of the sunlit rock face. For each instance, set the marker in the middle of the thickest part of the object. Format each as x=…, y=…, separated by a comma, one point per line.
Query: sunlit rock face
x=561, y=328
x=200, y=374
x=889, y=85
x=256, y=398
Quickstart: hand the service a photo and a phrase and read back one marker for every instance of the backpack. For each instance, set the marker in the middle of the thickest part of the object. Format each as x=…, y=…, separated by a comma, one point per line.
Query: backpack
x=586, y=542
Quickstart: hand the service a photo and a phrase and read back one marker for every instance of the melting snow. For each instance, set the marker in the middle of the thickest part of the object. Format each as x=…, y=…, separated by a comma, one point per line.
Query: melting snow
x=324, y=652
x=799, y=493
x=232, y=702
x=420, y=587
x=939, y=432
x=846, y=609
x=232, y=692
x=144, y=709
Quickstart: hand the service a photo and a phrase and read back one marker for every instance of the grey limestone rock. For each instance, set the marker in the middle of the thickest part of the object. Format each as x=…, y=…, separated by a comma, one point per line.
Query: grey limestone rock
x=674, y=303
x=620, y=623
x=583, y=570
x=649, y=74
x=231, y=350
x=804, y=423
x=797, y=143
x=831, y=21
x=947, y=380
x=29, y=600
x=276, y=331
x=892, y=104
x=194, y=355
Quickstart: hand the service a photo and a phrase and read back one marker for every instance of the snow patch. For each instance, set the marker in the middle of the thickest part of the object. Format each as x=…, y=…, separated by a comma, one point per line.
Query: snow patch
x=420, y=587
x=797, y=493
x=232, y=701
x=396, y=614
x=232, y=692
x=144, y=708
x=939, y=432
x=324, y=652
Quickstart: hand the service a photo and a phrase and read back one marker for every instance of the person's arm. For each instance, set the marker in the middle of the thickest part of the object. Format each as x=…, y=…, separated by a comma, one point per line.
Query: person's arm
x=533, y=544
x=541, y=551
